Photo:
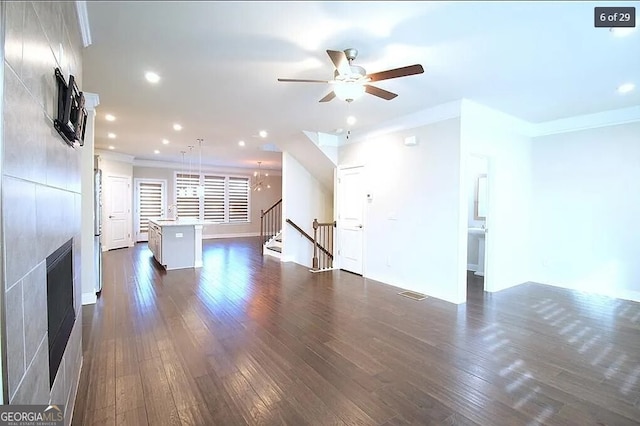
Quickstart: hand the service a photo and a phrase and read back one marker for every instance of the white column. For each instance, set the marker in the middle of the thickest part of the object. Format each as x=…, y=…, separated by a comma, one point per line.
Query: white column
x=88, y=260
x=198, y=246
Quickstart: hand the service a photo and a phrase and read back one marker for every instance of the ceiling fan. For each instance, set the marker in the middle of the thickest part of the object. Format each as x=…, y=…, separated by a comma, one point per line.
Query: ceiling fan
x=351, y=81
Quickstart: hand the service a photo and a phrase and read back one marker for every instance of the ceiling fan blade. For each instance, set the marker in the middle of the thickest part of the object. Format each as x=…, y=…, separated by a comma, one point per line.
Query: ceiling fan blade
x=302, y=81
x=329, y=97
x=340, y=61
x=381, y=93
x=397, y=72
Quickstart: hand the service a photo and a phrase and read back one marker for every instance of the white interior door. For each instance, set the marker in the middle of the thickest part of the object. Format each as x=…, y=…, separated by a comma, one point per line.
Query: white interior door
x=150, y=203
x=117, y=211
x=350, y=223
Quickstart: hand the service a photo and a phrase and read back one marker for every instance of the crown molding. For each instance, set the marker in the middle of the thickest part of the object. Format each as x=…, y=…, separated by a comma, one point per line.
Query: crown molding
x=497, y=117
x=587, y=121
x=205, y=168
x=83, y=21
x=115, y=156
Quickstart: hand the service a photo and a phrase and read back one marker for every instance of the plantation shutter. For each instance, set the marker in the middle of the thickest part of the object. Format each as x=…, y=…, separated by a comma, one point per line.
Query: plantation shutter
x=214, y=198
x=238, y=199
x=150, y=203
x=188, y=203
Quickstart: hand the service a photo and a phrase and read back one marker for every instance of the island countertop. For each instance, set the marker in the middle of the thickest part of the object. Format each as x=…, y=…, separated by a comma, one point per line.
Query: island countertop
x=184, y=221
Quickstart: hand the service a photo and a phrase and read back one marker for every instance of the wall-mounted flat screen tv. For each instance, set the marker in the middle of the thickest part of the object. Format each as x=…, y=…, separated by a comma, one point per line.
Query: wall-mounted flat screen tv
x=71, y=117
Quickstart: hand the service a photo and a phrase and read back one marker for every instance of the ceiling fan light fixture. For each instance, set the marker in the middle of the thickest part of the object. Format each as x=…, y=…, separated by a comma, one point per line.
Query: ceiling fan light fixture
x=348, y=91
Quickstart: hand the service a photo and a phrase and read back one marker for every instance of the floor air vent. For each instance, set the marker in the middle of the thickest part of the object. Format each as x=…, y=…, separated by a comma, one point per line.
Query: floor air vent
x=413, y=295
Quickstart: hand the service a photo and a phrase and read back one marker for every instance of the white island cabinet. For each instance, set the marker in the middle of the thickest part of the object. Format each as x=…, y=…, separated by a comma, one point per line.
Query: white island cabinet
x=176, y=244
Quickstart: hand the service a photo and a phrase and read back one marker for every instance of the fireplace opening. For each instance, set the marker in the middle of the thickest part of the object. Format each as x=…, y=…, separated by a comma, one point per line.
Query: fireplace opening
x=60, y=304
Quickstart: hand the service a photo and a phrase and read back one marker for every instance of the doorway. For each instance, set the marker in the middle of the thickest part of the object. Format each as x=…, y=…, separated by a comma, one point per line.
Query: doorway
x=117, y=212
x=477, y=223
x=350, y=222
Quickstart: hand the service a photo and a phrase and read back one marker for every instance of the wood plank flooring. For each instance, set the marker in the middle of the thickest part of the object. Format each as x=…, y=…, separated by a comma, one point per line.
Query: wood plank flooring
x=246, y=340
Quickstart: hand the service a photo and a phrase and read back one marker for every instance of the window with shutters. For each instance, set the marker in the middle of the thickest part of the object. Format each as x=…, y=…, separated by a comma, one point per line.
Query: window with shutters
x=150, y=203
x=223, y=199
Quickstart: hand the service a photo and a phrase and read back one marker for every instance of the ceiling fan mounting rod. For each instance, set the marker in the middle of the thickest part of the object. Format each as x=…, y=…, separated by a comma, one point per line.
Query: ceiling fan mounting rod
x=351, y=54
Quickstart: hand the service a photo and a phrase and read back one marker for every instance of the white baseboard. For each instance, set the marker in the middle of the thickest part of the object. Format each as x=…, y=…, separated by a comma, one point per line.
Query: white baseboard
x=472, y=267
x=237, y=235
x=89, y=298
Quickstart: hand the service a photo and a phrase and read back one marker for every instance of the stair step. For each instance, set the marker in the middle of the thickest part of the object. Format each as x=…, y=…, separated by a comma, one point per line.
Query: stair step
x=275, y=248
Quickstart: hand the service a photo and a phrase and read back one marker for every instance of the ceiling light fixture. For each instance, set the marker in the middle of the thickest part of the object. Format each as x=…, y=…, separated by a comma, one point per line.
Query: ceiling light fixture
x=263, y=133
x=111, y=135
x=152, y=77
x=112, y=147
x=241, y=143
x=351, y=120
x=165, y=141
x=259, y=179
x=110, y=117
x=621, y=31
x=177, y=127
x=348, y=91
x=626, y=88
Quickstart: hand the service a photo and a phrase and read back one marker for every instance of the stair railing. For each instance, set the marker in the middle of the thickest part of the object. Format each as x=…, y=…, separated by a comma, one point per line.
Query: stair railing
x=323, y=237
x=270, y=222
x=320, y=251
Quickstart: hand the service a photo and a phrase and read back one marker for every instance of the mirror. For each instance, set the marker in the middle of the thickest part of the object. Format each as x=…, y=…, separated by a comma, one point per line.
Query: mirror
x=481, y=198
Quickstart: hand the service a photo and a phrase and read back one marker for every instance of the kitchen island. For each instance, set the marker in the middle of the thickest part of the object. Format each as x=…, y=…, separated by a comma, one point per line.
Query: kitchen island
x=176, y=243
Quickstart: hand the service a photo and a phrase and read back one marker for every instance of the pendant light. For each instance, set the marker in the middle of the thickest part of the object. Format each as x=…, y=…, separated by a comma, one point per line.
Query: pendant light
x=182, y=190
x=200, y=188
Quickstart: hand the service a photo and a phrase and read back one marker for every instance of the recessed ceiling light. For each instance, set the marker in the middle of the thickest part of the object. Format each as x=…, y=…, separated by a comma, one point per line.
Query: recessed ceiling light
x=177, y=127
x=156, y=151
x=263, y=133
x=351, y=120
x=110, y=117
x=152, y=77
x=112, y=147
x=241, y=143
x=621, y=31
x=111, y=135
x=626, y=88
x=165, y=141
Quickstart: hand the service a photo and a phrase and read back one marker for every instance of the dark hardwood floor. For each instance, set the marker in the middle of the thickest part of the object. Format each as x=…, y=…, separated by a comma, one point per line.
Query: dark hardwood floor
x=249, y=340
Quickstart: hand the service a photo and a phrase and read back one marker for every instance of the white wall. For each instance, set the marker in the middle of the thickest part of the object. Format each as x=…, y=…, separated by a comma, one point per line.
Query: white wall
x=499, y=137
x=258, y=200
x=586, y=206
x=304, y=198
x=412, y=223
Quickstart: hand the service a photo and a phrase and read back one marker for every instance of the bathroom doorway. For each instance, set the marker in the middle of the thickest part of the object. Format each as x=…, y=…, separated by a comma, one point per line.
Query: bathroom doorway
x=477, y=223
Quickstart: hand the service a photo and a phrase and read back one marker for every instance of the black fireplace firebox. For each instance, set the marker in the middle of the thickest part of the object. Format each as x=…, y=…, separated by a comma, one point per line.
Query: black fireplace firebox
x=60, y=304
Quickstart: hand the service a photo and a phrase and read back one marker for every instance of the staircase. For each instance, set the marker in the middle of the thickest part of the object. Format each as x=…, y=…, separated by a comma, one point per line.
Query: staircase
x=273, y=247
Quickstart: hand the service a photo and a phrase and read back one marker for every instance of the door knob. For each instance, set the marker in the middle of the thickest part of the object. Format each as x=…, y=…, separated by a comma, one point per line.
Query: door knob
x=110, y=217
x=360, y=226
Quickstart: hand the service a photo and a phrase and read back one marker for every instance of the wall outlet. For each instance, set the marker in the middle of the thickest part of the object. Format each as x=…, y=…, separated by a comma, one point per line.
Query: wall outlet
x=388, y=260
x=179, y=235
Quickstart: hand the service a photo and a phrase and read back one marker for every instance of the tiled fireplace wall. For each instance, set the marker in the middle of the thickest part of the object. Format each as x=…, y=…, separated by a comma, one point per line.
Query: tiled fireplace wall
x=40, y=195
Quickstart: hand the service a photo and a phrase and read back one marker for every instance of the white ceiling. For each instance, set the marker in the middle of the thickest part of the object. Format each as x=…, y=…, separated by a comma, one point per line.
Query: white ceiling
x=219, y=63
